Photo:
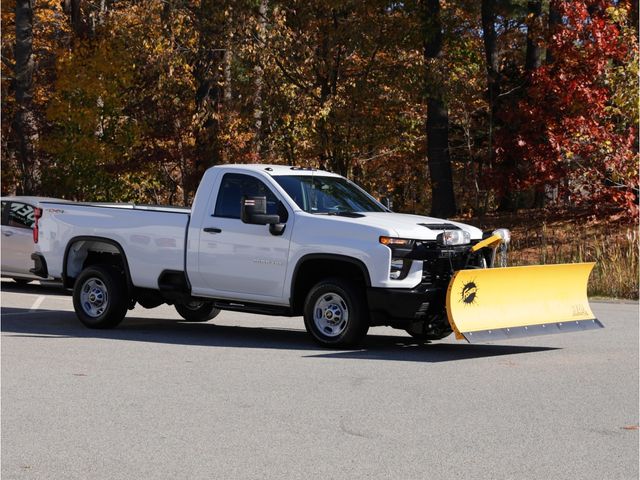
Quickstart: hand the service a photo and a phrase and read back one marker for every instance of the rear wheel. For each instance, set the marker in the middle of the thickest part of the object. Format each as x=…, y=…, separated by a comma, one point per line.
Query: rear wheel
x=100, y=297
x=197, y=311
x=335, y=313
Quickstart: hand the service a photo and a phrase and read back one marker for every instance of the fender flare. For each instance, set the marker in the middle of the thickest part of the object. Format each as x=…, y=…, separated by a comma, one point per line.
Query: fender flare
x=89, y=238
x=327, y=256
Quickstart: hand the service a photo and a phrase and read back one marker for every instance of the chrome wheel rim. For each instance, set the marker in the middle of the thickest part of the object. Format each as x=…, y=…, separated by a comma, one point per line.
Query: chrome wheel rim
x=94, y=297
x=331, y=314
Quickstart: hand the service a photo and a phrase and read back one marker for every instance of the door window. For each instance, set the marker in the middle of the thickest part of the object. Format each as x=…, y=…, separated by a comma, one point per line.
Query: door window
x=21, y=215
x=235, y=186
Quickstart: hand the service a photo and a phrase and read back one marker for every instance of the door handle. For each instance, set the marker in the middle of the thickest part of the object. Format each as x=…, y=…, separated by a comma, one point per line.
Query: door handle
x=7, y=233
x=212, y=230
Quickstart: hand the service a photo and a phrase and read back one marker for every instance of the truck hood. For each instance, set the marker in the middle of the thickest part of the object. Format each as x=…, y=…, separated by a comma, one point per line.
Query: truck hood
x=415, y=227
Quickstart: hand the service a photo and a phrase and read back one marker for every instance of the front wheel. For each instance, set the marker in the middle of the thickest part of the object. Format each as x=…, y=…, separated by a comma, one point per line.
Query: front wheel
x=197, y=311
x=100, y=297
x=335, y=313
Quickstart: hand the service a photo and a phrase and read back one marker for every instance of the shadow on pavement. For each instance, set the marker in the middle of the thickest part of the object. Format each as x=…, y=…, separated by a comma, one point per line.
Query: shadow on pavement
x=18, y=322
x=35, y=287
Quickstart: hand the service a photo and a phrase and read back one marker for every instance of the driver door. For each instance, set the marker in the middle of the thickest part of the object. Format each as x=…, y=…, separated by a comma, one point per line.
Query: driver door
x=238, y=260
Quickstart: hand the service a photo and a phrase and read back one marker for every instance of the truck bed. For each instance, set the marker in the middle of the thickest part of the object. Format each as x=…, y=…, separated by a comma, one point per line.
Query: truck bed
x=152, y=237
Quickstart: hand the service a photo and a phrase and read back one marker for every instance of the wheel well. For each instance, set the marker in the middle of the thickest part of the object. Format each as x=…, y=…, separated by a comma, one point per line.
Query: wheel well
x=86, y=251
x=311, y=271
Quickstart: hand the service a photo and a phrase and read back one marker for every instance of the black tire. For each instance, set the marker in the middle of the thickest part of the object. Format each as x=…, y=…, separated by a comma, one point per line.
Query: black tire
x=324, y=313
x=197, y=311
x=100, y=297
x=22, y=281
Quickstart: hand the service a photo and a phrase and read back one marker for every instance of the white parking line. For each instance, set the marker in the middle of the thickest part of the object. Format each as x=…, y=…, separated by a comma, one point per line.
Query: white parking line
x=37, y=303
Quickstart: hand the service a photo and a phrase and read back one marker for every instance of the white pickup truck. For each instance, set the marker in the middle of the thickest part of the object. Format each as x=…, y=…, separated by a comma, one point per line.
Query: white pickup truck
x=267, y=239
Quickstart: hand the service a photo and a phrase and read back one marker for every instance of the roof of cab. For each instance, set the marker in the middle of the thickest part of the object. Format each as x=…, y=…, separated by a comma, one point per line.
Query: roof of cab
x=277, y=170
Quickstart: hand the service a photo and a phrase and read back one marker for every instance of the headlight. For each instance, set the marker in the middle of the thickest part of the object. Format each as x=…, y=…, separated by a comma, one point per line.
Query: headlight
x=454, y=237
x=504, y=234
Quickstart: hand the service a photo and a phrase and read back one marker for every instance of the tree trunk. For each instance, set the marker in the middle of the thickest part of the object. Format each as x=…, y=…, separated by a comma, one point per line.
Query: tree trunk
x=491, y=55
x=443, y=202
x=506, y=197
x=258, y=82
x=555, y=20
x=209, y=76
x=535, y=48
x=24, y=123
x=72, y=9
x=533, y=60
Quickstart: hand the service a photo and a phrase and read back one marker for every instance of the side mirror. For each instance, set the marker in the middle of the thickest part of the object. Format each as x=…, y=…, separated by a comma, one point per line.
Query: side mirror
x=253, y=210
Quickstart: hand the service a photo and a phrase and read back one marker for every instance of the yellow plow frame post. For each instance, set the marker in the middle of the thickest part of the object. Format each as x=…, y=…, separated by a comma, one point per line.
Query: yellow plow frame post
x=498, y=303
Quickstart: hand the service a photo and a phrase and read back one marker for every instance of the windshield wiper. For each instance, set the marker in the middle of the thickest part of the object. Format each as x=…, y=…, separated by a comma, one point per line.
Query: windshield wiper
x=345, y=213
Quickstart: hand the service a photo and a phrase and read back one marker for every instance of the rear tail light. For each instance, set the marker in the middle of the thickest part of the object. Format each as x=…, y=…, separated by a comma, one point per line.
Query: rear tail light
x=37, y=214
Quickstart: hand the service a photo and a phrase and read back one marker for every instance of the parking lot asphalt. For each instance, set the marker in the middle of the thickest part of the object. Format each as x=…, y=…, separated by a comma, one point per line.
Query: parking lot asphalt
x=251, y=397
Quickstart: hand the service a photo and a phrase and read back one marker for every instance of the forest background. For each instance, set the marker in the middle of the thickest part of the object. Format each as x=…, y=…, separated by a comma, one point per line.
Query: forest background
x=522, y=113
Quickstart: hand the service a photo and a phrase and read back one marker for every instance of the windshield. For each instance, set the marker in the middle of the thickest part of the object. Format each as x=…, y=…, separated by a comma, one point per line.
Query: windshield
x=329, y=195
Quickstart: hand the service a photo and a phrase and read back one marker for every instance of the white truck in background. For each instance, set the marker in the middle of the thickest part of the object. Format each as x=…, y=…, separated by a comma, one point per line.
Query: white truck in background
x=266, y=239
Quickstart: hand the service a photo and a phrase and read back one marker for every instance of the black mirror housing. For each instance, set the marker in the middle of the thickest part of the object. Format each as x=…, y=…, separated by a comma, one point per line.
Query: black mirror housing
x=253, y=210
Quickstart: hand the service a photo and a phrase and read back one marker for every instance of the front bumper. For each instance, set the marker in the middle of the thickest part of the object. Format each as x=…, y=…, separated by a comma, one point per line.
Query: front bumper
x=398, y=306
x=427, y=301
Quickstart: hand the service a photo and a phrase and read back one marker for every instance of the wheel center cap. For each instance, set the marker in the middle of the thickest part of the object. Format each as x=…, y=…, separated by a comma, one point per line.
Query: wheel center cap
x=92, y=298
x=329, y=315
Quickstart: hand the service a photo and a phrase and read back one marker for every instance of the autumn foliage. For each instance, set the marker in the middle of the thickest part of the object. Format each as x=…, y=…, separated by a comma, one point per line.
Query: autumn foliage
x=575, y=131
x=131, y=101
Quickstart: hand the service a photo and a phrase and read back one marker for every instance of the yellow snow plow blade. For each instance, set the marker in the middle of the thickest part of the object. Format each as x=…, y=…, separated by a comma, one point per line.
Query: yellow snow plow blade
x=497, y=303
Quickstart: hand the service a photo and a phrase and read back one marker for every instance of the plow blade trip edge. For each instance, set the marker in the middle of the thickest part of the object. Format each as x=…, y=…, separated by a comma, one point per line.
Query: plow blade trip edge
x=510, y=302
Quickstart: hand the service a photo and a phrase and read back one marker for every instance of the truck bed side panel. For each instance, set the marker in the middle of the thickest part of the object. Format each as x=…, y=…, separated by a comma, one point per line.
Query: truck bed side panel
x=152, y=241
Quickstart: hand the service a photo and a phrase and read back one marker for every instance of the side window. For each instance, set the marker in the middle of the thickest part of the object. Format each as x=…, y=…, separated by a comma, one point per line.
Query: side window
x=21, y=215
x=235, y=186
